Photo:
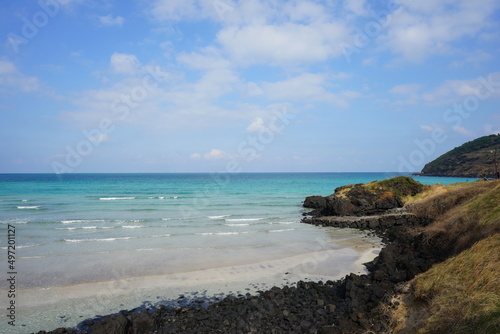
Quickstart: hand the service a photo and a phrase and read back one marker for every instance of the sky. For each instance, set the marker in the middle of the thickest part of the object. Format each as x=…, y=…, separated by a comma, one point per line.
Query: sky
x=244, y=85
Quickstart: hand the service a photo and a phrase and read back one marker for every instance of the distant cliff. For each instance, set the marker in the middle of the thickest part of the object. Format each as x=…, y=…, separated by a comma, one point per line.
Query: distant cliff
x=472, y=159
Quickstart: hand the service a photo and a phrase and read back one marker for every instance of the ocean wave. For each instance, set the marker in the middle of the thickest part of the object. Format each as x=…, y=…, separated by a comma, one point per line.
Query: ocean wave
x=23, y=246
x=244, y=219
x=281, y=223
x=284, y=230
x=218, y=217
x=14, y=221
x=96, y=239
x=115, y=198
x=147, y=249
x=81, y=221
x=34, y=207
x=159, y=236
x=132, y=226
x=236, y=225
x=84, y=228
x=220, y=233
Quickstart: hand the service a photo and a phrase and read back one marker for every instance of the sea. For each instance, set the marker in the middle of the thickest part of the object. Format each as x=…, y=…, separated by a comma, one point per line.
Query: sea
x=89, y=245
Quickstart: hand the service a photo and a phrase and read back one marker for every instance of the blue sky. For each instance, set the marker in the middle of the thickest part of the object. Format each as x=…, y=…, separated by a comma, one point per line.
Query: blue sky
x=248, y=85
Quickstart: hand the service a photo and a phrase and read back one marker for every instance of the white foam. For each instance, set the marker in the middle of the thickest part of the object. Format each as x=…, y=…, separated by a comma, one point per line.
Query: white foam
x=244, y=219
x=285, y=230
x=237, y=225
x=282, y=223
x=221, y=233
x=81, y=221
x=34, y=207
x=218, y=217
x=115, y=198
x=92, y=240
x=13, y=221
x=132, y=226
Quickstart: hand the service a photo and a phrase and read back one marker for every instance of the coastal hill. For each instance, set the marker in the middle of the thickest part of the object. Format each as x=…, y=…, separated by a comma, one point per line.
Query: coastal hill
x=472, y=159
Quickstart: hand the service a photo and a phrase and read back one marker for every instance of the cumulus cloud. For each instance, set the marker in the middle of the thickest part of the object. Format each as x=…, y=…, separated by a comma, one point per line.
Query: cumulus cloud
x=124, y=63
x=289, y=43
x=110, y=20
x=483, y=87
x=216, y=154
x=421, y=29
x=257, y=125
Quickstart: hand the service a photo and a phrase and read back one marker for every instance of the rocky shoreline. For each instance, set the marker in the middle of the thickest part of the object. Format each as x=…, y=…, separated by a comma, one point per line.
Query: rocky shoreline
x=355, y=304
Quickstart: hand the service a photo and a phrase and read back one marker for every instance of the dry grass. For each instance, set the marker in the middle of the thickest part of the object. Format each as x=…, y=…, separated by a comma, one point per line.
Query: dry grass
x=464, y=292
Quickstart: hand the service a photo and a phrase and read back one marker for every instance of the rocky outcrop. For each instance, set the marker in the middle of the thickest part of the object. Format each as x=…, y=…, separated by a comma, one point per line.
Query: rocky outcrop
x=354, y=200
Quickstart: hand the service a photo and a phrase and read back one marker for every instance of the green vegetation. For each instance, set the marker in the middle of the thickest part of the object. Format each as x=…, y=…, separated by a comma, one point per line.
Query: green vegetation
x=401, y=186
x=472, y=159
x=462, y=294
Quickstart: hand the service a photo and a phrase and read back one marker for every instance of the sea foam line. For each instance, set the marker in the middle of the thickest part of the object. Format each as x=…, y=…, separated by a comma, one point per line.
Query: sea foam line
x=81, y=221
x=284, y=230
x=218, y=217
x=91, y=240
x=220, y=233
x=236, y=225
x=115, y=198
x=34, y=207
x=244, y=219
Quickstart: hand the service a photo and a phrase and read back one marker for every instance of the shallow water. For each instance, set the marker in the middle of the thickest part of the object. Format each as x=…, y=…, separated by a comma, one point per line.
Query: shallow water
x=146, y=238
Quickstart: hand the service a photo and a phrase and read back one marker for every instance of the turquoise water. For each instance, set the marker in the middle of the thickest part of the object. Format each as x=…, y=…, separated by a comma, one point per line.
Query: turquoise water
x=91, y=228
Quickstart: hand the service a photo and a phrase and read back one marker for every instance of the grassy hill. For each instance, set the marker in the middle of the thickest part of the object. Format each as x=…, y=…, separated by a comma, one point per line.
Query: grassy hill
x=462, y=294
x=472, y=159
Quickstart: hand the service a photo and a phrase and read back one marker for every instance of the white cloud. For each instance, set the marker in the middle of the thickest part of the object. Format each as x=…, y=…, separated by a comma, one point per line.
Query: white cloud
x=420, y=29
x=431, y=128
x=486, y=86
x=257, y=125
x=109, y=20
x=476, y=58
x=124, y=63
x=7, y=67
x=174, y=10
x=208, y=59
x=195, y=156
x=216, y=154
x=305, y=86
x=358, y=7
x=11, y=80
x=279, y=45
x=463, y=131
